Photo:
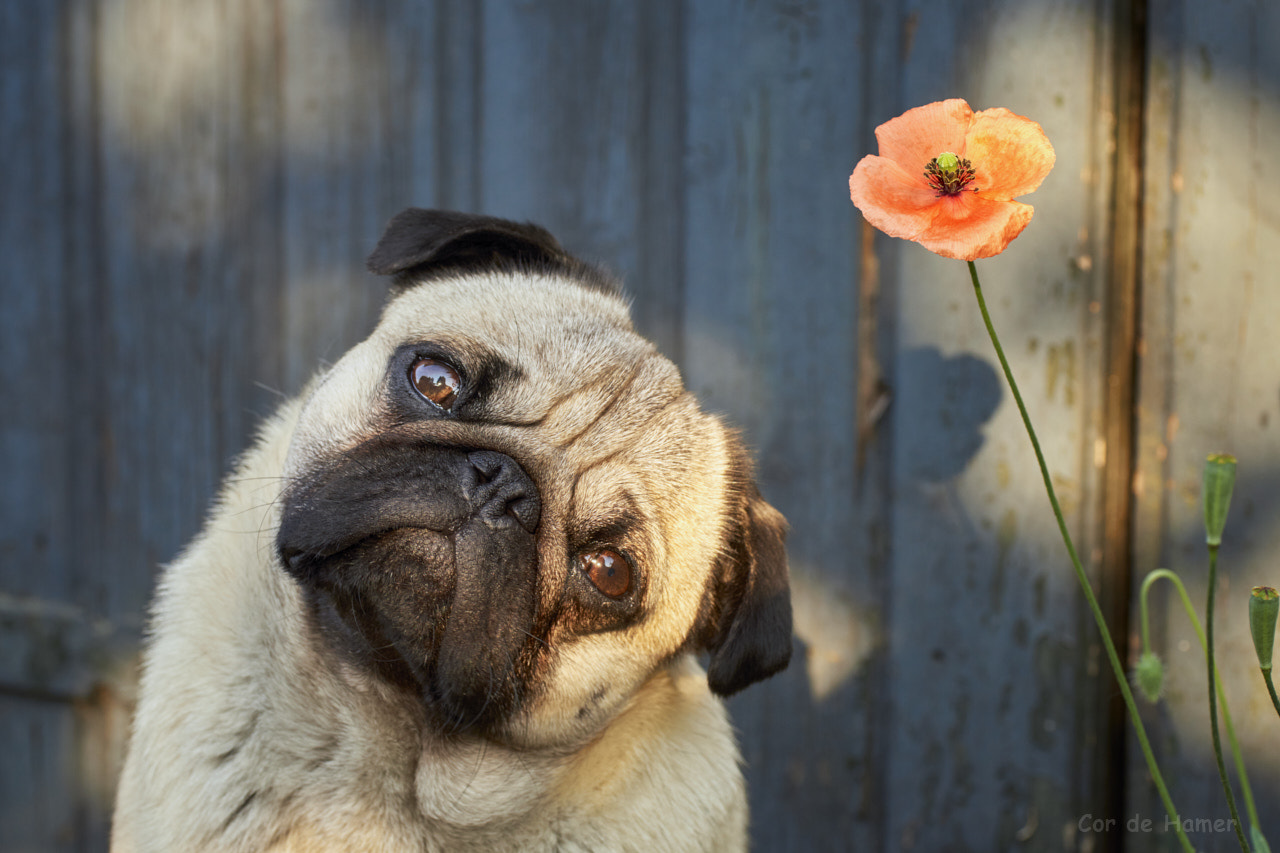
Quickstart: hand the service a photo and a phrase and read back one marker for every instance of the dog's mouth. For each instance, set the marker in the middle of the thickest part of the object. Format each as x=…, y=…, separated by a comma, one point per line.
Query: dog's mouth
x=421, y=562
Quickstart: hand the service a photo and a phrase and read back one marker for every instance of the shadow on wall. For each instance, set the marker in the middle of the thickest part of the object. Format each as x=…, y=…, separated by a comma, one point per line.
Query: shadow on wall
x=840, y=632
x=970, y=394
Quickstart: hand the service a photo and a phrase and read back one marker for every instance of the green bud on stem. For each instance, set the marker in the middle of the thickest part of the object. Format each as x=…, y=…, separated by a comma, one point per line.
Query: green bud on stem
x=1264, y=607
x=1219, y=481
x=1149, y=674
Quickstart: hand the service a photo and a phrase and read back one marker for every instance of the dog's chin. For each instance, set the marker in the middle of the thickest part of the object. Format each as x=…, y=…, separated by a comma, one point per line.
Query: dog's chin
x=385, y=607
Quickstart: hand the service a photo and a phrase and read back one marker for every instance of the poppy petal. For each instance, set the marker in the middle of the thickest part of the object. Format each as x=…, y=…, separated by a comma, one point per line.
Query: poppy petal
x=1010, y=154
x=918, y=135
x=968, y=227
x=897, y=202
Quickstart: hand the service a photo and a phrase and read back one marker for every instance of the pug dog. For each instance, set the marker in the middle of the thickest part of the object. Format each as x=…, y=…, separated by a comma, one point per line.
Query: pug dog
x=456, y=596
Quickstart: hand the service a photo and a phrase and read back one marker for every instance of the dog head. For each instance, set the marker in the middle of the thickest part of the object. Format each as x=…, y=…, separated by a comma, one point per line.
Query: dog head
x=505, y=502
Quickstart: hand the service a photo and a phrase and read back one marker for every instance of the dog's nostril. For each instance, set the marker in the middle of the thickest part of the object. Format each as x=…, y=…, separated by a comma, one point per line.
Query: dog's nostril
x=505, y=489
x=489, y=465
x=526, y=510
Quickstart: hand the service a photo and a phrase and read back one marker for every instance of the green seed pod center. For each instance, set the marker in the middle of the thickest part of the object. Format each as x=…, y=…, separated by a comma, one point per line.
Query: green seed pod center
x=948, y=174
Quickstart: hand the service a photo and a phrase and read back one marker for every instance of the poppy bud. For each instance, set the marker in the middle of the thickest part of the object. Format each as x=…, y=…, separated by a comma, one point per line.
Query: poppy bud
x=1264, y=607
x=1149, y=673
x=1219, y=481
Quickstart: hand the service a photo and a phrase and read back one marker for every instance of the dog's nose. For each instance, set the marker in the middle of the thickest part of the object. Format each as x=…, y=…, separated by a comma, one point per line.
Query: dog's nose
x=502, y=488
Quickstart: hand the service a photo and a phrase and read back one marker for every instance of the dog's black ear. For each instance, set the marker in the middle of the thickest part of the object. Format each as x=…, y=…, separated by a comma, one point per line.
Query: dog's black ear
x=421, y=241
x=750, y=634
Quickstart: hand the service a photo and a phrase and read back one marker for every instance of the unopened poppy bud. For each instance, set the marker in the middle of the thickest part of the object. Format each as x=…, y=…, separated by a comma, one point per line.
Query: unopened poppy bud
x=1219, y=481
x=1264, y=607
x=1149, y=673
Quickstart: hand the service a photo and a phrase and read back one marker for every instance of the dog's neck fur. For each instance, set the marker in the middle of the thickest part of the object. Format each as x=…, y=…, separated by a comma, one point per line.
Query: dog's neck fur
x=276, y=703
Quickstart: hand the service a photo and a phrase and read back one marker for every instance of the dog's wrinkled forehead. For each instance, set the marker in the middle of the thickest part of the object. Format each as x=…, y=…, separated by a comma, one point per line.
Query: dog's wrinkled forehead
x=566, y=354
x=569, y=350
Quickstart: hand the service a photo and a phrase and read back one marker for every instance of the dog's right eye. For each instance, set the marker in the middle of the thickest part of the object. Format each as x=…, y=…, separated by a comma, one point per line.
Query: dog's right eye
x=436, y=380
x=608, y=571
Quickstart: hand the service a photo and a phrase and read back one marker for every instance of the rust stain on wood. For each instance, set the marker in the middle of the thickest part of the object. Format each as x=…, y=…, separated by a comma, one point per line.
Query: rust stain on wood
x=872, y=392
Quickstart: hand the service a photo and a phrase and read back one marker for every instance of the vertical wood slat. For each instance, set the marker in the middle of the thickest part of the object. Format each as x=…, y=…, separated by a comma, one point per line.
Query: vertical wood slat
x=331, y=142
x=990, y=646
x=34, y=538
x=157, y=158
x=50, y=404
x=1109, y=773
x=1209, y=379
x=769, y=320
x=39, y=739
x=610, y=188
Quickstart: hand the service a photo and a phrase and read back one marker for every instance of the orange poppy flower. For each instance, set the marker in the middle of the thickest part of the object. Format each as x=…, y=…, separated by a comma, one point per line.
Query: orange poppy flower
x=946, y=178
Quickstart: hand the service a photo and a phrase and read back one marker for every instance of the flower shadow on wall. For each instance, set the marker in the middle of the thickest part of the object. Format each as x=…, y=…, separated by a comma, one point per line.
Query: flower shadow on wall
x=968, y=395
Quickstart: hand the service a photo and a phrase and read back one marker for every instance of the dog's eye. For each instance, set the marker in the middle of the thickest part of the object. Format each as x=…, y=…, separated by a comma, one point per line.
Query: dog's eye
x=436, y=380
x=608, y=571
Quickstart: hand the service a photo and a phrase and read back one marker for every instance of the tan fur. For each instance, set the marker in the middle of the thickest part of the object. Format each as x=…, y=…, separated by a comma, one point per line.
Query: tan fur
x=249, y=736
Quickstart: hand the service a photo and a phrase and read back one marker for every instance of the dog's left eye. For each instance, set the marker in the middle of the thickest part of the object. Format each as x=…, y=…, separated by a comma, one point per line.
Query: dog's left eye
x=608, y=571
x=436, y=380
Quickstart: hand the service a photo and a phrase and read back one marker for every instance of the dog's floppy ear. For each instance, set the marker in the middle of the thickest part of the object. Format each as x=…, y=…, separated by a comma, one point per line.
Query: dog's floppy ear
x=750, y=634
x=419, y=241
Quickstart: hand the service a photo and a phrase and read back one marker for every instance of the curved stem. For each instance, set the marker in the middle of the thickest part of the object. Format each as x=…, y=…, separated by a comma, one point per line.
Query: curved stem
x=1151, y=578
x=1271, y=688
x=1213, y=699
x=1236, y=755
x=1116, y=667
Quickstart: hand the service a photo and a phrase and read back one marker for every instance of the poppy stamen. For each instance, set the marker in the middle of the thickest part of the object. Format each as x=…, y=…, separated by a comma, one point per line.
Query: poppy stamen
x=949, y=175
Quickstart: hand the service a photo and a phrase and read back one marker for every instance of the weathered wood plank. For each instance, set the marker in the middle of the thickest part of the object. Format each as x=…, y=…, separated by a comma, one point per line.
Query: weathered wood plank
x=35, y=369
x=333, y=209
x=52, y=373
x=586, y=138
x=776, y=115
x=994, y=664
x=167, y=308
x=1209, y=376
x=36, y=815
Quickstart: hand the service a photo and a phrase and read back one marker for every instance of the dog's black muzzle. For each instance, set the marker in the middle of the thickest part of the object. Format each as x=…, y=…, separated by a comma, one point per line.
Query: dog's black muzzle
x=427, y=558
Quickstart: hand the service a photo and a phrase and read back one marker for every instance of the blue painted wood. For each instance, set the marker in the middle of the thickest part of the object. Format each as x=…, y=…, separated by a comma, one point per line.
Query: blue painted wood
x=611, y=188
x=995, y=665
x=33, y=353
x=40, y=740
x=1210, y=379
x=775, y=120
x=190, y=191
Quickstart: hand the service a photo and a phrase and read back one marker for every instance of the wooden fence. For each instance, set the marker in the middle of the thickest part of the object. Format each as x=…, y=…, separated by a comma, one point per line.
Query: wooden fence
x=188, y=189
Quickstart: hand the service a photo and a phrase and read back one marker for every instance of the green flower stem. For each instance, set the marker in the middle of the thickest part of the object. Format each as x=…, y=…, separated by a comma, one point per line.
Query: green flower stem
x=1271, y=688
x=1116, y=667
x=1236, y=755
x=1213, y=699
